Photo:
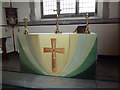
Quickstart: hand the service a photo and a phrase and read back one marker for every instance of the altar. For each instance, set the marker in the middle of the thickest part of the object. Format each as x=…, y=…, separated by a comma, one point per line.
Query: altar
x=65, y=55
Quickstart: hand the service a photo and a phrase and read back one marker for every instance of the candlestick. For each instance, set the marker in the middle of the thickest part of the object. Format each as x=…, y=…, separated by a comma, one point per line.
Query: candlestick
x=86, y=29
x=25, y=25
x=57, y=24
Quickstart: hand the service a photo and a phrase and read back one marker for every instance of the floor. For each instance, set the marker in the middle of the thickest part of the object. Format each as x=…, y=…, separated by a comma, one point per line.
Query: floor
x=107, y=74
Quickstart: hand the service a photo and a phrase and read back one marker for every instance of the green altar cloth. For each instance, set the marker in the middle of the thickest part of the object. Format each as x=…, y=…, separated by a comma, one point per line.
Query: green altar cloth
x=66, y=55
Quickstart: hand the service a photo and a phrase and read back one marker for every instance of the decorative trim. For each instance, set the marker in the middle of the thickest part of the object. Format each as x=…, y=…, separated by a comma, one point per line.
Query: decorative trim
x=71, y=22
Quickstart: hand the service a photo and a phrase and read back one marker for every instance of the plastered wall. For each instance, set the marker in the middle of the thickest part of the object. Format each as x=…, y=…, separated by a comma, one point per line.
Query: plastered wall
x=107, y=33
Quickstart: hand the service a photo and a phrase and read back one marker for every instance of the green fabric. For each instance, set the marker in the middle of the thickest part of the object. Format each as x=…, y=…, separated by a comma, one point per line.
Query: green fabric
x=26, y=59
x=84, y=46
x=30, y=46
x=84, y=56
x=89, y=73
x=26, y=65
x=87, y=63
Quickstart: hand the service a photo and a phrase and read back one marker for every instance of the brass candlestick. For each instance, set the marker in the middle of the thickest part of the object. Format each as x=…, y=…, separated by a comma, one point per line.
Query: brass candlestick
x=57, y=24
x=75, y=31
x=25, y=25
x=86, y=29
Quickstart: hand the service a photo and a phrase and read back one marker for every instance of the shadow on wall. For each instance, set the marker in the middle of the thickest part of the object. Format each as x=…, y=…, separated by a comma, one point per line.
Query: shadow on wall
x=0, y=45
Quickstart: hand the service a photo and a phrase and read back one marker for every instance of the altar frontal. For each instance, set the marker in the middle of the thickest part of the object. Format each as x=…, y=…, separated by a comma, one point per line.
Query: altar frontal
x=66, y=55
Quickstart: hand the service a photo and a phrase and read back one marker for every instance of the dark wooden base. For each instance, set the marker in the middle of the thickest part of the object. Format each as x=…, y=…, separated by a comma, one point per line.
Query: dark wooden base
x=4, y=53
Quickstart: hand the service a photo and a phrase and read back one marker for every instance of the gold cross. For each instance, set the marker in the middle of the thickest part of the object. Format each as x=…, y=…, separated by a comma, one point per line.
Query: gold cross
x=54, y=50
x=25, y=22
x=57, y=24
x=58, y=10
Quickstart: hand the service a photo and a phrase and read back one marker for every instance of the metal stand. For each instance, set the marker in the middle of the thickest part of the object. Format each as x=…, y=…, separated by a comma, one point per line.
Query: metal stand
x=86, y=30
x=57, y=24
x=25, y=22
x=13, y=35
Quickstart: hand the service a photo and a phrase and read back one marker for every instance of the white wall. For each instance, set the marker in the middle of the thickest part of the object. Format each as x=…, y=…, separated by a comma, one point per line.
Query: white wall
x=37, y=10
x=4, y=4
x=113, y=6
x=113, y=9
x=107, y=33
x=4, y=32
x=0, y=19
x=0, y=13
x=107, y=38
x=99, y=9
x=23, y=10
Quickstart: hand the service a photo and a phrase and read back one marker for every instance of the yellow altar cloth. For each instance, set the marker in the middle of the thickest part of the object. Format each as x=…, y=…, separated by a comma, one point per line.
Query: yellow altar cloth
x=69, y=54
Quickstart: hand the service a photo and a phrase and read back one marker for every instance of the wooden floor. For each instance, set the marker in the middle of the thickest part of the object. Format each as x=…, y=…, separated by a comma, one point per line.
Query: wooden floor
x=107, y=71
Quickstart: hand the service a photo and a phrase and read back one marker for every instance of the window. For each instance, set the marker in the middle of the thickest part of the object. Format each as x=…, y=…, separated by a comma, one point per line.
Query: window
x=68, y=7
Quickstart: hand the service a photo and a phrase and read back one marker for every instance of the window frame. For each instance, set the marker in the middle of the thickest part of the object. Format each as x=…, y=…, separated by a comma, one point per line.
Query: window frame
x=76, y=14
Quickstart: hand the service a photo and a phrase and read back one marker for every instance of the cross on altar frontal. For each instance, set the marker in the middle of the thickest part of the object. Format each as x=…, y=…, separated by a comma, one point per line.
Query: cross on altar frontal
x=54, y=50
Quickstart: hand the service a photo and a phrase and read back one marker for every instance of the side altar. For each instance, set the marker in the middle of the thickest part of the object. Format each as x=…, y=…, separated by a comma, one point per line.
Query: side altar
x=66, y=55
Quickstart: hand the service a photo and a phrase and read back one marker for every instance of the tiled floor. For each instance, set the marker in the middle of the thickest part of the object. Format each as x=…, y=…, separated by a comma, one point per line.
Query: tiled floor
x=40, y=81
x=107, y=73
